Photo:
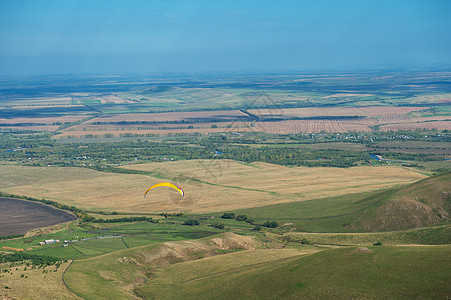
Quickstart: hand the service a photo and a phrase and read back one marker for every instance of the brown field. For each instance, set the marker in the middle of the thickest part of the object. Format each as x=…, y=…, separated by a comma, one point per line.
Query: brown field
x=434, y=118
x=307, y=126
x=374, y=111
x=202, y=122
x=440, y=125
x=219, y=185
x=388, y=118
x=19, y=216
x=202, y=128
x=38, y=101
x=158, y=126
x=368, y=111
x=386, y=123
x=37, y=124
x=46, y=120
x=34, y=128
x=171, y=116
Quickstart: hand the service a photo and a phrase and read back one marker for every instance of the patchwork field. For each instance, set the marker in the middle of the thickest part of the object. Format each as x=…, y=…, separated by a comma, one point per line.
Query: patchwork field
x=50, y=123
x=229, y=115
x=307, y=126
x=19, y=101
x=80, y=131
x=275, y=121
x=162, y=123
x=344, y=119
x=248, y=230
x=210, y=185
x=440, y=125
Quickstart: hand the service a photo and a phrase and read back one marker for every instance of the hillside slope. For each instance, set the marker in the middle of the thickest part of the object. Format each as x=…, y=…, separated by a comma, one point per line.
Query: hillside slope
x=116, y=275
x=346, y=273
x=423, y=203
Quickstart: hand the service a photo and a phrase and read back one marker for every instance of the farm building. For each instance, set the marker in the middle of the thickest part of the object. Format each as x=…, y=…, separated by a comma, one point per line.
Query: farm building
x=47, y=242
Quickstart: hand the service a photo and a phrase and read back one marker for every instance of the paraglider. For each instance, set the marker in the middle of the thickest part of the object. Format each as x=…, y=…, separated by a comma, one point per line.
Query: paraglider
x=168, y=184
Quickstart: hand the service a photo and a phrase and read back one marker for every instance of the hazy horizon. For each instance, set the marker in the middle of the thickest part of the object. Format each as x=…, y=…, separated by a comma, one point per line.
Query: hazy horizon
x=54, y=37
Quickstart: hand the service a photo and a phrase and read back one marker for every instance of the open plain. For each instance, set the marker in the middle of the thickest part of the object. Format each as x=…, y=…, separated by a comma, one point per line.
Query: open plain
x=211, y=185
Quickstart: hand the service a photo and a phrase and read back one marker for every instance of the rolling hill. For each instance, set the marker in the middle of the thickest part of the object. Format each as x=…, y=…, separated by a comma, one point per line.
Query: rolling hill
x=423, y=203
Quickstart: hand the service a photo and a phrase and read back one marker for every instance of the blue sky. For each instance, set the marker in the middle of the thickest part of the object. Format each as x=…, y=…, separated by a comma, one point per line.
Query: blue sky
x=120, y=36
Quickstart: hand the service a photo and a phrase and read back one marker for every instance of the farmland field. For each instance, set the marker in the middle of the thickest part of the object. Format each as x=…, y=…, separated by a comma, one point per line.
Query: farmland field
x=344, y=119
x=18, y=216
x=290, y=181
x=273, y=121
x=368, y=111
x=210, y=185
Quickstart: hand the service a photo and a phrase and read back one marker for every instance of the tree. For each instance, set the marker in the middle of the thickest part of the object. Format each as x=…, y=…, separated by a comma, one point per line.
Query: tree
x=191, y=222
x=218, y=225
x=241, y=218
x=228, y=215
x=271, y=224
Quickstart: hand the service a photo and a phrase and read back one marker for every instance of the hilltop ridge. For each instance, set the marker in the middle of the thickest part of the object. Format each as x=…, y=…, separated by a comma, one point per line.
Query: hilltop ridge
x=423, y=203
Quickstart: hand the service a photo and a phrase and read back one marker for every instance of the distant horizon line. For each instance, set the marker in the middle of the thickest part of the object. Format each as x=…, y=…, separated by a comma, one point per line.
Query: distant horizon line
x=430, y=68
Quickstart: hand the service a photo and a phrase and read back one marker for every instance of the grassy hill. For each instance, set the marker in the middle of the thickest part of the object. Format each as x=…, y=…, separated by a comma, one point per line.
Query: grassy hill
x=423, y=203
x=347, y=273
x=116, y=275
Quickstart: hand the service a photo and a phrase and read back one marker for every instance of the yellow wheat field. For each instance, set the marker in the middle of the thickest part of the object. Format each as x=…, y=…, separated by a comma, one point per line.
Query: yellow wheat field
x=210, y=185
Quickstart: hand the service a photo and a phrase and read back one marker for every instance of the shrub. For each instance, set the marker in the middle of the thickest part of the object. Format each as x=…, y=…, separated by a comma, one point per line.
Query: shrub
x=191, y=222
x=257, y=228
x=378, y=243
x=228, y=216
x=250, y=220
x=271, y=224
x=218, y=225
x=304, y=241
x=241, y=218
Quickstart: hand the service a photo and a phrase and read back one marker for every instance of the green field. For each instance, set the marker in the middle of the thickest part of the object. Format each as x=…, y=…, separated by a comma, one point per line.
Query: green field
x=376, y=211
x=349, y=273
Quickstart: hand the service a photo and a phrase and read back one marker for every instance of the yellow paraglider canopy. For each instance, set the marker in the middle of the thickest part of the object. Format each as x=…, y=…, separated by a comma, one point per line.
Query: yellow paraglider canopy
x=168, y=184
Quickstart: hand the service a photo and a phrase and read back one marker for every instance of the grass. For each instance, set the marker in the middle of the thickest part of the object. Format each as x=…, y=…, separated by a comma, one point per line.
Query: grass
x=210, y=185
x=115, y=275
x=258, y=184
x=438, y=235
x=385, y=210
x=133, y=235
x=331, y=214
x=385, y=272
x=34, y=284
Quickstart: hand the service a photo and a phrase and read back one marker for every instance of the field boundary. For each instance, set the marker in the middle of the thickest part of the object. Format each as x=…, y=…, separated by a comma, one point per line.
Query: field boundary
x=64, y=281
